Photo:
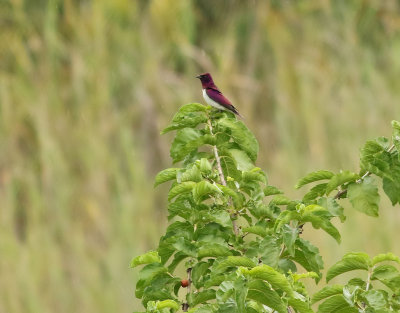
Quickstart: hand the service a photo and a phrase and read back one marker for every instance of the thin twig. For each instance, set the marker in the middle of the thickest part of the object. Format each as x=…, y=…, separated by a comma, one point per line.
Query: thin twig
x=340, y=193
x=217, y=158
x=282, y=250
x=189, y=278
x=185, y=306
x=222, y=177
x=369, y=278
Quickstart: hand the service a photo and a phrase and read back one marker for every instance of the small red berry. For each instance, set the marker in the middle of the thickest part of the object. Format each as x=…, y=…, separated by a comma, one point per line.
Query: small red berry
x=184, y=283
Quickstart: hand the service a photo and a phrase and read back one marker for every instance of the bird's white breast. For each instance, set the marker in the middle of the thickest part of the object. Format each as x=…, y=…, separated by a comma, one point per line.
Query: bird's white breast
x=212, y=102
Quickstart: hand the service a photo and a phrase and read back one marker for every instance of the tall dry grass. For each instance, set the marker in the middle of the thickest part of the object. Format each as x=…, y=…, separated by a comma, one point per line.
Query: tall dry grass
x=85, y=87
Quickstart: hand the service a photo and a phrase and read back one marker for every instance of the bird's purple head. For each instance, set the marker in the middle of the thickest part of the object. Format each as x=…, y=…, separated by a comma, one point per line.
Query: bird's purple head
x=206, y=80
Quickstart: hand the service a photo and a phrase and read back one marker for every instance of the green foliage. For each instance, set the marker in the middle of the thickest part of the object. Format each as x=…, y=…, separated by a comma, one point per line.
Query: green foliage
x=147, y=258
x=314, y=176
x=350, y=262
x=364, y=196
x=218, y=197
x=359, y=295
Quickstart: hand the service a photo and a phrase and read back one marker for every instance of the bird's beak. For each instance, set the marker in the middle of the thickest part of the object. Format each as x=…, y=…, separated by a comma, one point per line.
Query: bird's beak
x=198, y=76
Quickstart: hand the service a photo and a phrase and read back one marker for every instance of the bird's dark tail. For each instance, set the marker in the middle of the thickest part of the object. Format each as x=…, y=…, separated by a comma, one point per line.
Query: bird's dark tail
x=240, y=116
x=237, y=113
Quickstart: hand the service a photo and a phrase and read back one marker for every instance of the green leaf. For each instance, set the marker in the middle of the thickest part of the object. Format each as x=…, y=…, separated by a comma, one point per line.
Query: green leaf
x=190, y=174
x=165, y=249
x=297, y=277
x=158, y=289
x=185, y=246
x=257, y=230
x=388, y=275
x=147, y=258
x=392, y=189
x=277, y=280
x=260, y=292
x=186, y=142
x=204, y=188
x=196, y=155
x=184, y=137
x=166, y=175
x=314, y=176
x=221, y=217
x=178, y=258
x=339, y=179
x=202, y=297
x=333, y=207
x=281, y=200
x=391, y=186
x=199, y=272
x=385, y=257
x=212, y=232
x=241, y=289
x=215, y=280
x=212, y=250
x=364, y=196
x=286, y=266
x=375, y=159
x=319, y=218
x=269, y=251
x=336, y=304
x=315, y=192
x=167, y=304
x=183, y=120
x=207, y=308
x=375, y=299
x=300, y=306
x=326, y=292
x=254, y=175
x=229, y=166
x=285, y=217
x=192, y=107
x=182, y=206
x=396, y=136
x=350, y=262
x=241, y=135
x=271, y=190
x=237, y=200
x=225, y=291
x=181, y=189
x=235, y=261
x=289, y=235
x=205, y=166
x=308, y=256
x=146, y=275
x=243, y=162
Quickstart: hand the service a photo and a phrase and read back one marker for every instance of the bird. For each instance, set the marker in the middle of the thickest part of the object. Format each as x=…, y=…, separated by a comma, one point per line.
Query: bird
x=213, y=96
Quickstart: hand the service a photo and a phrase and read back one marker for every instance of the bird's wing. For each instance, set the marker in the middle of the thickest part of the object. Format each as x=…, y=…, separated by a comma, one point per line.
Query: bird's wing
x=218, y=97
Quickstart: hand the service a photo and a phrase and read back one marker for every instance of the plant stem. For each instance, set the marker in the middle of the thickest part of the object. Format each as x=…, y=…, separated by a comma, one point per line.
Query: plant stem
x=189, y=278
x=369, y=278
x=282, y=250
x=185, y=306
x=221, y=175
x=340, y=193
x=217, y=158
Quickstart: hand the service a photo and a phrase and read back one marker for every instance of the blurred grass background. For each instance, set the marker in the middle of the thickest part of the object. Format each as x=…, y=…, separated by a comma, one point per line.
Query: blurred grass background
x=86, y=86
